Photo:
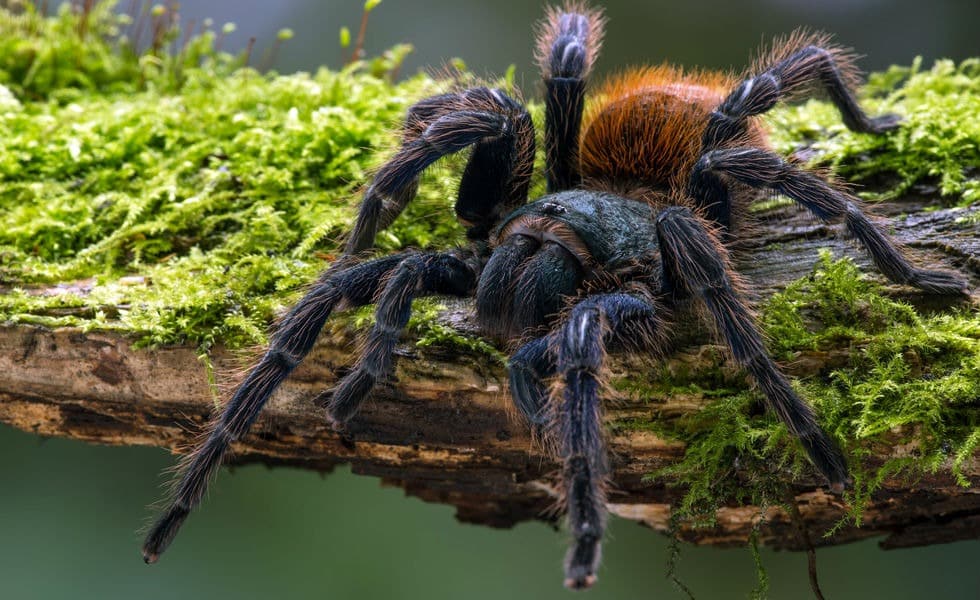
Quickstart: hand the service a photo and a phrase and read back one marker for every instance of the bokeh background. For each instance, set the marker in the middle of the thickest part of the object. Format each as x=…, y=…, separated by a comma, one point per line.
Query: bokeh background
x=490, y=35
x=69, y=512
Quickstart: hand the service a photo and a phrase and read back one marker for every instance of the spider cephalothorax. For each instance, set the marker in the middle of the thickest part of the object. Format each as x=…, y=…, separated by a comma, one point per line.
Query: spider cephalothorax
x=646, y=194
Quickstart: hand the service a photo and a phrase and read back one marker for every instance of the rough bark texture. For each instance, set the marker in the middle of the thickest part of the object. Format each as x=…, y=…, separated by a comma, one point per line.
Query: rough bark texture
x=444, y=430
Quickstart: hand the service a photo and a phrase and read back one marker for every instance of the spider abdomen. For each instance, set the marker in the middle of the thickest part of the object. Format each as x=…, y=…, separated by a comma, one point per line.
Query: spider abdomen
x=644, y=131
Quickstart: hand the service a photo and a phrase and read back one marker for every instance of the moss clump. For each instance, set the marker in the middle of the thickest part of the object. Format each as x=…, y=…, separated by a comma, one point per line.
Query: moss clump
x=189, y=217
x=911, y=380
x=183, y=198
x=430, y=333
x=93, y=48
x=938, y=141
x=849, y=309
x=731, y=456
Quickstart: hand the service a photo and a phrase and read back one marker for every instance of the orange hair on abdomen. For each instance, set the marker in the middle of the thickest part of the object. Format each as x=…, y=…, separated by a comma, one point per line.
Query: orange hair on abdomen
x=644, y=127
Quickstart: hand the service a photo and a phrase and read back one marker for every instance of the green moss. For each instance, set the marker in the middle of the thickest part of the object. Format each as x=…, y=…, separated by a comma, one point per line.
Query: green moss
x=198, y=197
x=200, y=213
x=434, y=334
x=431, y=333
x=848, y=307
x=937, y=143
x=911, y=380
x=86, y=48
x=730, y=457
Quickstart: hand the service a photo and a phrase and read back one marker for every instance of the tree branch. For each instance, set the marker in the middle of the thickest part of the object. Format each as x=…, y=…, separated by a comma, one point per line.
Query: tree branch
x=444, y=430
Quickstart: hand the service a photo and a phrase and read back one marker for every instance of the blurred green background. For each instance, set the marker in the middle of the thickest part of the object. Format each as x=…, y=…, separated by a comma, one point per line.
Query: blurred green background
x=490, y=35
x=69, y=512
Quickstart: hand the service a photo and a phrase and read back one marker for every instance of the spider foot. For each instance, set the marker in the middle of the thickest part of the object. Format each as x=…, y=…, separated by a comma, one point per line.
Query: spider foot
x=582, y=561
x=938, y=282
x=582, y=582
x=163, y=533
x=339, y=427
x=828, y=459
x=343, y=401
x=324, y=400
x=883, y=123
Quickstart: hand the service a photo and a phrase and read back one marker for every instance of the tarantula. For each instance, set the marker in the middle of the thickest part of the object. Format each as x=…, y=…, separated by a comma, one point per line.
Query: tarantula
x=646, y=193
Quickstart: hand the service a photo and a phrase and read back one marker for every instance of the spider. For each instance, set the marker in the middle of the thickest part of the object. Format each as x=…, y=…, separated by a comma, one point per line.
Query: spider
x=646, y=196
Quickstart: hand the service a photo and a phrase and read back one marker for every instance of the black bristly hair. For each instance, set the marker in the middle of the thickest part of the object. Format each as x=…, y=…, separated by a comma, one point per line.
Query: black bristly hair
x=501, y=131
x=794, y=65
x=696, y=264
x=497, y=175
x=568, y=43
x=646, y=190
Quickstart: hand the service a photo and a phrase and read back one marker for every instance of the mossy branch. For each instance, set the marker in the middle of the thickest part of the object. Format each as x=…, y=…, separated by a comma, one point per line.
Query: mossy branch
x=148, y=232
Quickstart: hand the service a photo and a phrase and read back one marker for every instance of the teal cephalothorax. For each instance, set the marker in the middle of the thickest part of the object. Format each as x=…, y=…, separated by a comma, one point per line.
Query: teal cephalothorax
x=547, y=252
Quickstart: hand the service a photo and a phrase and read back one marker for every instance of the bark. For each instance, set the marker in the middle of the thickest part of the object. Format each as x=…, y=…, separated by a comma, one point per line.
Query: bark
x=444, y=430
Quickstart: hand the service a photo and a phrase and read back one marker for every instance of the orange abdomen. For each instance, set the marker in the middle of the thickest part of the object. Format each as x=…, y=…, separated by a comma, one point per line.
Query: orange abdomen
x=644, y=128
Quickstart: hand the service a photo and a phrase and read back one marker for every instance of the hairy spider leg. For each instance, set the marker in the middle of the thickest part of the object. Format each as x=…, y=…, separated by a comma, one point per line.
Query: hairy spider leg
x=791, y=68
x=416, y=275
x=695, y=263
x=541, y=287
x=568, y=42
x=579, y=346
x=529, y=369
x=339, y=287
x=524, y=285
x=760, y=168
x=495, y=290
x=502, y=131
x=494, y=183
x=533, y=364
x=383, y=211
x=497, y=175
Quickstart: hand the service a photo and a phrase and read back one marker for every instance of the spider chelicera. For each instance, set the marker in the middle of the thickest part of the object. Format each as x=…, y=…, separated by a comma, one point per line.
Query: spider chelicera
x=647, y=190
